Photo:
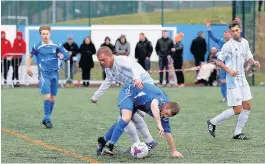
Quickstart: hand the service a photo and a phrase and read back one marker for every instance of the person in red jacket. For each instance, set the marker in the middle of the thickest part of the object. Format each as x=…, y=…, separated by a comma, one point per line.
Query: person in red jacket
x=5, y=48
x=19, y=46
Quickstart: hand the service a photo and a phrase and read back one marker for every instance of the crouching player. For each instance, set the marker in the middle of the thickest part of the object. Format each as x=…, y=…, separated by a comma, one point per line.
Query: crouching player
x=48, y=56
x=153, y=101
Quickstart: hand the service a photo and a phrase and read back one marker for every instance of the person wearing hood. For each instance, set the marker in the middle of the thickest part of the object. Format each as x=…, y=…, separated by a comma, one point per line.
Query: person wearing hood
x=5, y=48
x=143, y=51
x=87, y=49
x=111, y=47
x=19, y=46
x=122, y=46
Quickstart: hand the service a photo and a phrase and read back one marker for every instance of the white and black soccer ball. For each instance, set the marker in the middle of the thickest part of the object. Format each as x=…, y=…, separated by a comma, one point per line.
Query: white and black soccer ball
x=139, y=150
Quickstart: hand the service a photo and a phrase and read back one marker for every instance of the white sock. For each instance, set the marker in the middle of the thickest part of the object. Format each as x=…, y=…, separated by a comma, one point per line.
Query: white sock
x=223, y=116
x=142, y=127
x=242, y=119
x=132, y=132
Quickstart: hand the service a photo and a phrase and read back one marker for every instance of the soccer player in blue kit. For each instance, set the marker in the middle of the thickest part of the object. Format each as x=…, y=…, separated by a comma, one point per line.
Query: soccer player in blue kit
x=49, y=56
x=153, y=101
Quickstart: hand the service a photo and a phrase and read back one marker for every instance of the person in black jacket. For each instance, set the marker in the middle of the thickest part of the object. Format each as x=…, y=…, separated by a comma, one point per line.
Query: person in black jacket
x=163, y=50
x=198, y=49
x=143, y=52
x=87, y=49
x=73, y=49
x=177, y=56
x=112, y=48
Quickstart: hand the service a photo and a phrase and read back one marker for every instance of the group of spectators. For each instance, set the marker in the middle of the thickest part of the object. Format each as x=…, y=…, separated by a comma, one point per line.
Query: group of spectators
x=165, y=48
x=19, y=48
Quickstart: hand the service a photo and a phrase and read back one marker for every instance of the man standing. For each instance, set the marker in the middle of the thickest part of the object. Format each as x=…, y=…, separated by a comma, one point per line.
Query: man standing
x=163, y=50
x=232, y=58
x=122, y=46
x=72, y=49
x=19, y=46
x=143, y=51
x=5, y=48
x=198, y=49
x=177, y=56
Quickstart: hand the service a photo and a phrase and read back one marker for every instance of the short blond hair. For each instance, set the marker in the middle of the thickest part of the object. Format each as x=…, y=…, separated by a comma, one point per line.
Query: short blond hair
x=104, y=50
x=44, y=27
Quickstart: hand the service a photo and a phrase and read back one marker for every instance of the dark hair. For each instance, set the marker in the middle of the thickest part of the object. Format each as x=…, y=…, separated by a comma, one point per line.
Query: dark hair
x=174, y=107
x=233, y=24
x=44, y=27
x=104, y=50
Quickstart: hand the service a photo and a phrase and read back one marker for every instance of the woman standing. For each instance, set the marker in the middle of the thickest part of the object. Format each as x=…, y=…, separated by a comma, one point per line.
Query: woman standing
x=87, y=49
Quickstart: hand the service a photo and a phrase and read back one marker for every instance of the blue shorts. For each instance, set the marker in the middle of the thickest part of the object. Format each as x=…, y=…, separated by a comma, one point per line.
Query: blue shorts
x=222, y=75
x=125, y=99
x=48, y=83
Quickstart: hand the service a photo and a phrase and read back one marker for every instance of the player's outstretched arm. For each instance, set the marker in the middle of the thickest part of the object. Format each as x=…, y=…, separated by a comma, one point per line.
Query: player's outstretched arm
x=156, y=113
x=172, y=146
x=103, y=87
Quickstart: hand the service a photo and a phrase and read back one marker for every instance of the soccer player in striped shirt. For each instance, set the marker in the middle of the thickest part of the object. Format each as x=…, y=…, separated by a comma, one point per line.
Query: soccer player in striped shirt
x=123, y=69
x=235, y=53
x=49, y=56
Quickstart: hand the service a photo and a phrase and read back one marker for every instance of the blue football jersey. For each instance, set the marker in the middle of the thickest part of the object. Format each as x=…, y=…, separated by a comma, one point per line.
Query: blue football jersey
x=143, y=99
x=46, y=55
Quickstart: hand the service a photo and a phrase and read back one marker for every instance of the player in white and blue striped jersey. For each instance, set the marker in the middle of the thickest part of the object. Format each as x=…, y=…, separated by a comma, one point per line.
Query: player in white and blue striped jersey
x=123, y=69
x=49, y=56
x=234, y=54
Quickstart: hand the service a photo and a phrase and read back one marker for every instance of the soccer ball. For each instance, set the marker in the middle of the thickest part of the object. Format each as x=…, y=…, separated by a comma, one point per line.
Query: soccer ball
x=139, y=150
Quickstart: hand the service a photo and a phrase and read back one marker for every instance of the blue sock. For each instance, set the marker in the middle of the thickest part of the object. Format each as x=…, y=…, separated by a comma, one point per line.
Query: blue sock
x=47, y=105
x=118, y=130
x=51, y=108
x=223, y=89
x=108, y=135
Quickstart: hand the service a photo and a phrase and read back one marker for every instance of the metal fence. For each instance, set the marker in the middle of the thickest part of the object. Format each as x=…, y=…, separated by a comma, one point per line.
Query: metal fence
x=48, y=12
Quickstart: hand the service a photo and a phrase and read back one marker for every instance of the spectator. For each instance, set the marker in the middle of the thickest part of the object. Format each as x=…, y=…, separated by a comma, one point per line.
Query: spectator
x=198, y=49
x=72, y=49
x=143, y=52
x=163, y=50
x=19, y=46
x=260, y=4
x=5, y=48
x=87, y=49
x=112, y=48
x=212, y=57
x=177, y=56
x=122, y=46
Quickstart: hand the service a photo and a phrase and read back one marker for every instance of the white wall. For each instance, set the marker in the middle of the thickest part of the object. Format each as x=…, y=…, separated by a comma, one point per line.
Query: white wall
x=11, y=31
x=131, y=35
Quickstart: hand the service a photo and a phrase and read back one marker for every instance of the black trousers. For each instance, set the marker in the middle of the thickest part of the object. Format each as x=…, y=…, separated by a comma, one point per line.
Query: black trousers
x=15, y=63
x=86, y=75
x=141, y=62
x=163, y=63
x=260, y=4
x=178, y=62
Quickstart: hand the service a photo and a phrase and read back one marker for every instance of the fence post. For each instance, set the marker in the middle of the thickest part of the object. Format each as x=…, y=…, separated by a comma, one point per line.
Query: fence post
x=162, y=12
x=254, y=38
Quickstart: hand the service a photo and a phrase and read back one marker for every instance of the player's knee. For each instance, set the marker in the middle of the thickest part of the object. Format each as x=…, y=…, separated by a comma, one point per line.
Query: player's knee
x=126, y=118
x=52, y=98
x=223, y=81
x=237, y=109
x=48, y=97
x=246, y=105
